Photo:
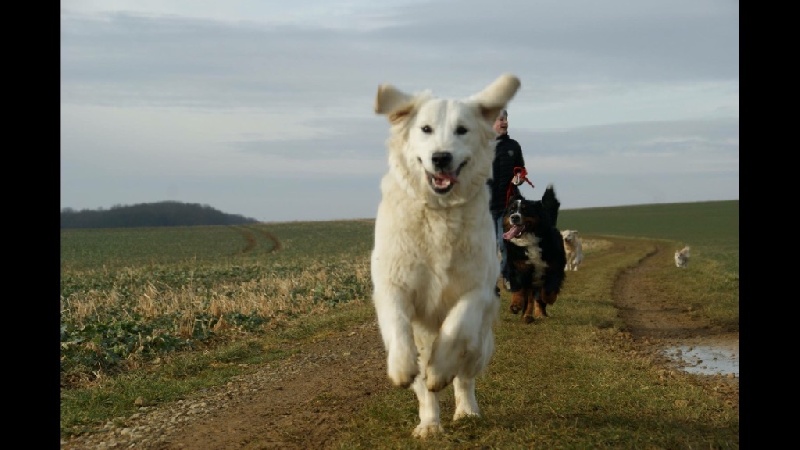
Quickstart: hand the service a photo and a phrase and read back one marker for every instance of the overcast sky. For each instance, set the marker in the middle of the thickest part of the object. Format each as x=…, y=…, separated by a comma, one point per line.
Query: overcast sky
x=265, y=109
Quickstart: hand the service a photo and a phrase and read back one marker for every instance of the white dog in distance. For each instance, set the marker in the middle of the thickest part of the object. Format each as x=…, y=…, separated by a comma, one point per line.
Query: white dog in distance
x=682, y=257
x=434, y=263
x=573, y=248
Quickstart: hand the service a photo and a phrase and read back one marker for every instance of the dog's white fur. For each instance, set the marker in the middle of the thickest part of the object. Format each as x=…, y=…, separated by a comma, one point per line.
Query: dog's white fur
x=573, y=248
x=682, y=257
x=434, y=264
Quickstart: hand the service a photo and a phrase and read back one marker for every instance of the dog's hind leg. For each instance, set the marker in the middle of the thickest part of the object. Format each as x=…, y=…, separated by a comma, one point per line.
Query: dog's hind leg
x=464, y=383
x=548, y=298
x=429, y=419
x=539, y=309
x=542, y=299
x=517, y=301
x=466, y=403
x=530, y=306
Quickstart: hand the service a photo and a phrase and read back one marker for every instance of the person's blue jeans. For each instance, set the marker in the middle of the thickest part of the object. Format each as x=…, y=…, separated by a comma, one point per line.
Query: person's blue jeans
x=501, y=245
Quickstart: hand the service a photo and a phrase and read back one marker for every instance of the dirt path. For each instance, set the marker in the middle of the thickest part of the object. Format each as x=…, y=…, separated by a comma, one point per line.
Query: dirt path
x=658, y=321
x=300, y=403
x=251, y=242
x=648, y=313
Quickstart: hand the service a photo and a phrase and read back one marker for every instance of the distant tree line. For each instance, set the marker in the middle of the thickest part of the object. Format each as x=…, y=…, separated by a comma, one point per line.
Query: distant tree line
x=160, y=214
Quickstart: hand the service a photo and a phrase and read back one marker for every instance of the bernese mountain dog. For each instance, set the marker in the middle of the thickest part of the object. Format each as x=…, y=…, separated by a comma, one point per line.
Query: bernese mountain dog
x=535, y=252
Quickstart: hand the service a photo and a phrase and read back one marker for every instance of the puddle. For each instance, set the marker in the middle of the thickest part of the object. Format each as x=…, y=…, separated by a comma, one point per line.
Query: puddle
x=704, y=359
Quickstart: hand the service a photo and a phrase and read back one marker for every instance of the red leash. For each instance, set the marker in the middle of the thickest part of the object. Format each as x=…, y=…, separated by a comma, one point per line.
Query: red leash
x=521, y=173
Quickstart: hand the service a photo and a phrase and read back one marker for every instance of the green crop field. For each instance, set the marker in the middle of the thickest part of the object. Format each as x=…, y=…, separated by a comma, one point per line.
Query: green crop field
x=710, y=228
x=129, y=294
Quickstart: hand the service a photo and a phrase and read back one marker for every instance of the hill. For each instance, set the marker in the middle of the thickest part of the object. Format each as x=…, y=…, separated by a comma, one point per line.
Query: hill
x=159, y=214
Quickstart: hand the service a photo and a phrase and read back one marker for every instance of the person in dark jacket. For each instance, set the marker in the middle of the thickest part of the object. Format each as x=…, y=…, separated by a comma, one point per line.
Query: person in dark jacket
x=502, y=185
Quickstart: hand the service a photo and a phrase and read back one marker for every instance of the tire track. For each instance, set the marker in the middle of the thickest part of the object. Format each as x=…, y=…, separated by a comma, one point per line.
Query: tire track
x=252, y=242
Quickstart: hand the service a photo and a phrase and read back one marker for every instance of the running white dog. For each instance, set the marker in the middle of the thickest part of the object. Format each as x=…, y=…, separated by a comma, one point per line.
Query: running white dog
x=434, y=264
x=682, y=257
x=573, y=248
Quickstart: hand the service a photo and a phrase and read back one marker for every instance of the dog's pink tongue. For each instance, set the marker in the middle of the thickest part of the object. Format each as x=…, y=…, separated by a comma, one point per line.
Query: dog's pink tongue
x=442, y=180
x=513, y=232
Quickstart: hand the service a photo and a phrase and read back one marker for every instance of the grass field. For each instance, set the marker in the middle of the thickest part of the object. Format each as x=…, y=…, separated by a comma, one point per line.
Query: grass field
x=188, y=296
x=710, y=228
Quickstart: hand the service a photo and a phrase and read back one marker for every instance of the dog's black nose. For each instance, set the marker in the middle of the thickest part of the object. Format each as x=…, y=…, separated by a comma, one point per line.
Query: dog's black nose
x=442, y=160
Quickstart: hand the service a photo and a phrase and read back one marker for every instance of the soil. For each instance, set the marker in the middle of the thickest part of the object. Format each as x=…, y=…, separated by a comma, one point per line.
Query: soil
x=279, y=405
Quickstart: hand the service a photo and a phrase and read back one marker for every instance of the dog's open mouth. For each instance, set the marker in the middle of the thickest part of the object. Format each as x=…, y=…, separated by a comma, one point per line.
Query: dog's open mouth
x=443, y=182
x=515, y=231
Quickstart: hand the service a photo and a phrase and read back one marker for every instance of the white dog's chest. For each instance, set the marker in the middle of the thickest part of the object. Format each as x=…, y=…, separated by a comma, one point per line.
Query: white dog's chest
x=441, y=253
x=436, y=255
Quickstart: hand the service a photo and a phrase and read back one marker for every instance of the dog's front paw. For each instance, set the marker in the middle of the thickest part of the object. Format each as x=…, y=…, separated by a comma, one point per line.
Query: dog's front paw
x=402, y=367
x=527, y=318
x=427, y=429
x=466, y=409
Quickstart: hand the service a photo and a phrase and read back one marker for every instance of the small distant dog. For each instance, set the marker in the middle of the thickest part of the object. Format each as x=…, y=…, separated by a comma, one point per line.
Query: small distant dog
x=682, y=257
x=573, y=249
x=536, y=251
x=434, y=264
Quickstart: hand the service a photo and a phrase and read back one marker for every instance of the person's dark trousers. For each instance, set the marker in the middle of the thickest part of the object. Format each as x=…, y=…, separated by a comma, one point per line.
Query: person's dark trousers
x=506, y=271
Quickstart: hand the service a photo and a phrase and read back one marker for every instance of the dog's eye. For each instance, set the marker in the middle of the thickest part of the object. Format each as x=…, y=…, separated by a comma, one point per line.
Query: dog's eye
x=461, y=130
x=427, y=129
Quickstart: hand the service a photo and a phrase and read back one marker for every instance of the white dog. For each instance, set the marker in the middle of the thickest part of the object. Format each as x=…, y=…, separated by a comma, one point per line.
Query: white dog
x=434, y=264
x=573, y=249
x=682, y=257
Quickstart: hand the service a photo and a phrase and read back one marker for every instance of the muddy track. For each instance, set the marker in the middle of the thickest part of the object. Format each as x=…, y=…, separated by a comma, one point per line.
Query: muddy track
x=651, y=315
x=299, y=403
x=657, y=321
x=251, y=242
x=647, y=313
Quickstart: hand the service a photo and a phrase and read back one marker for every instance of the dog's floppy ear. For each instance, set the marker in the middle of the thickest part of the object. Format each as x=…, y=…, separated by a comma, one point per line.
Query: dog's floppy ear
x=393, y=103
x=494, y=97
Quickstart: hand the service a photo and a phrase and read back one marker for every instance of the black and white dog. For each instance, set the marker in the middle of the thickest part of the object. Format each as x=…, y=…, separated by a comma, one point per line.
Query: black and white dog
x=535, y=252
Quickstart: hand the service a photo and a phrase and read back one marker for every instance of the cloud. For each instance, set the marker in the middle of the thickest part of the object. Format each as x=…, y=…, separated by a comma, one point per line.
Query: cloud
x=201, y=97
